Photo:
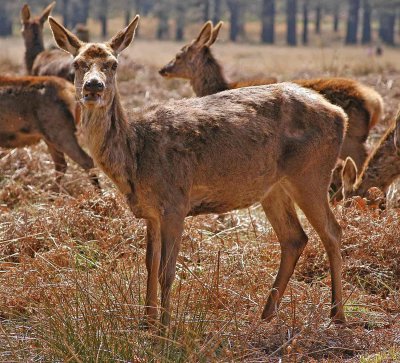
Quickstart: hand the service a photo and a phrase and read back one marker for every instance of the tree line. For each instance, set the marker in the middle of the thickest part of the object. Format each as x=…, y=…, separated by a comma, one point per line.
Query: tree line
x=356, y=19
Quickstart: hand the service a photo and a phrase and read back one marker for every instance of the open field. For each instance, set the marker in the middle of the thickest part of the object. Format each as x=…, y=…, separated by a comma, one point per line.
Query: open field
x=72, y=271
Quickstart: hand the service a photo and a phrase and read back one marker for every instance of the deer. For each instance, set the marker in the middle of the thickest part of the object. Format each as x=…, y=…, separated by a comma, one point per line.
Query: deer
x=364, y=106
x=38, y=61
x=380, y=170
x=42, y=108
x=273, y=144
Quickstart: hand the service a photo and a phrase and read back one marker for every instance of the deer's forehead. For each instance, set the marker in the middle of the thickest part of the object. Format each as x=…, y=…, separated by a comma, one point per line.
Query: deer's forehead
x=95, y=52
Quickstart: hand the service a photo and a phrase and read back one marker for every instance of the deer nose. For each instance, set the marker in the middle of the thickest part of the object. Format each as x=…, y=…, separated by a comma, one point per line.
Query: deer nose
x=162, y=71
x=93, y=85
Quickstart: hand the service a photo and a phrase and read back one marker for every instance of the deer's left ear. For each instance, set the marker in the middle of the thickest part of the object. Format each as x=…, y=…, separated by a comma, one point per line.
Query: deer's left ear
x=64, y=38
x=124, y=37
x=214, y=34
x=46, y=12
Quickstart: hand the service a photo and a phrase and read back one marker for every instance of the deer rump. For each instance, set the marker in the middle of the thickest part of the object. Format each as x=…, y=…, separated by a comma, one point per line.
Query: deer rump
x=224, y=152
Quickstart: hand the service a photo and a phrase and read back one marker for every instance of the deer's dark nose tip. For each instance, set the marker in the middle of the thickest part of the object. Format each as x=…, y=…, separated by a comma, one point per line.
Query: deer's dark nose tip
x=93, y=85
x=162, y=71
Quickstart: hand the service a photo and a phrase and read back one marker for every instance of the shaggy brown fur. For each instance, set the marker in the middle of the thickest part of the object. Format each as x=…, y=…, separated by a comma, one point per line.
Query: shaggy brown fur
x=362, y=104
x=380, y=169
x=272, y=144
x=38, y=61
x=35, y=108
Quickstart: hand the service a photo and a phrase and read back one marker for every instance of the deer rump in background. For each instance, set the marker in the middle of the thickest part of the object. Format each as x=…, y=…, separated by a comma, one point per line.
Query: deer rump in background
x=272, y=144
x=363, y=105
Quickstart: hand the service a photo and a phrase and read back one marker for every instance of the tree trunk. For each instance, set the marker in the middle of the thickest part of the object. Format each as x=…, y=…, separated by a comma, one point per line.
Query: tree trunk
x=318, y=12
x=180, y=21
x=80, y=11
x=103, y=17
x=352, y=22
x=234, y=10
x=206, y=10
x=65, y=13
x=366, y=28
x=336, y=13
x=217, y=11
x=305, y=22
x=291, y=11
x=5, y=20
x=387, y=22
x=268, y=22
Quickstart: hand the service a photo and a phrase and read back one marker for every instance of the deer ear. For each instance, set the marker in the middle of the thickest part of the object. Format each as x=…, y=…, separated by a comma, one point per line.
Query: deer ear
x=214, y=34
x=64, y=38
x=205, y=34
x=25, y=13
x=349, y=174
x=46, y=12
x=124, y=37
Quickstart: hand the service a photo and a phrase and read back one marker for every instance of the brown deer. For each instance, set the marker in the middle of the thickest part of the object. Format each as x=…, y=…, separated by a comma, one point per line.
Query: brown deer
x=363, y=105
x=272, y=144
x=38, y=61
x=380, y=170
x=35, y=108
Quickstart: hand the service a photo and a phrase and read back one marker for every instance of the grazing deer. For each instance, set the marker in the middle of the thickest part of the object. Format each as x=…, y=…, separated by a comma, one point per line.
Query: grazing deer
x=363, y=105
x=38, y=61
x=272, y=144
x=35, y=108
x=380, y=170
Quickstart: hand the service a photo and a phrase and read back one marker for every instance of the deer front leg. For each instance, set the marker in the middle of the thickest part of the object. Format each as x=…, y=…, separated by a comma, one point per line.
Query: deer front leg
x=59, y=162
x=153, y=255
x=171, y=233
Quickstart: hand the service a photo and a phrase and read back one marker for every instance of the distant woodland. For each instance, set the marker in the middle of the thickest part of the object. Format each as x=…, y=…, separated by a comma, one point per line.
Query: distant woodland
x=355, y=21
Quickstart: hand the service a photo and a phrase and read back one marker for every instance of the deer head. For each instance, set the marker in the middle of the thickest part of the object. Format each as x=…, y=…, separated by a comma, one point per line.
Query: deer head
x=349, y=177
x=185, y=63
x=32, y=27
x=95, y=63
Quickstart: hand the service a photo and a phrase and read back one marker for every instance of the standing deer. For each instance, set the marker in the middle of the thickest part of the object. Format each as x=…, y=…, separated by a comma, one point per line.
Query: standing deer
x=273, y=144
x=35, y=108
x=380, y=169
x=38, y=61
x=363, y=105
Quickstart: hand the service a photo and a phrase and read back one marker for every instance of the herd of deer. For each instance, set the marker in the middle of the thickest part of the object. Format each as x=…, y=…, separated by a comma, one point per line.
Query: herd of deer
x=234, y=145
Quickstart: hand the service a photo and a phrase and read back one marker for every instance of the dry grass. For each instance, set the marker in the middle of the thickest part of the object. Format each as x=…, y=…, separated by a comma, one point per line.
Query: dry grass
x=72, y=270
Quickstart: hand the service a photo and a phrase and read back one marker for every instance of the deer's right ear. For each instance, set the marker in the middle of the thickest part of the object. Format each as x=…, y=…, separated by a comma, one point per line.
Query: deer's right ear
x=64, y=38
x=205, y=34
x=25, y=13
x=214, y=34
x=124, y=37
x=349, y=174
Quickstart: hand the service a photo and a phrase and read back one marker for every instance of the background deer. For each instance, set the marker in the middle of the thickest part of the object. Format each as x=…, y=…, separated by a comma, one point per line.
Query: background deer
x=363, y=105
x=273, y=144
x=38, y=61
x=380, y=169
x=35, y=108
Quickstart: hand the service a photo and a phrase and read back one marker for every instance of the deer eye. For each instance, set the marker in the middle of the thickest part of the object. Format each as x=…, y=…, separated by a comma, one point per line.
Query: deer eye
x=114, y=66
x=75, y=65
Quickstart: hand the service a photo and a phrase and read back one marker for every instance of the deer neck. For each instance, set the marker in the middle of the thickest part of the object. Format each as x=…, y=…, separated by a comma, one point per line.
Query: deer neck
x=112, y=144
x=381, y=168
x=32, y=49
x=209, y=78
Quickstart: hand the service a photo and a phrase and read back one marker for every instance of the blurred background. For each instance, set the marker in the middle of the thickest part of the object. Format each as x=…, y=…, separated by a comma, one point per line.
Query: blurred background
x=291, y=22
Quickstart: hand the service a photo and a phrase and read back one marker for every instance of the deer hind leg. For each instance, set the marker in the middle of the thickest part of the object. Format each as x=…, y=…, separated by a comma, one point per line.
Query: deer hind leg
x=59, y=162
x=171, y=234
x=153, y=256
x=280, y=211
x=310, y=194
